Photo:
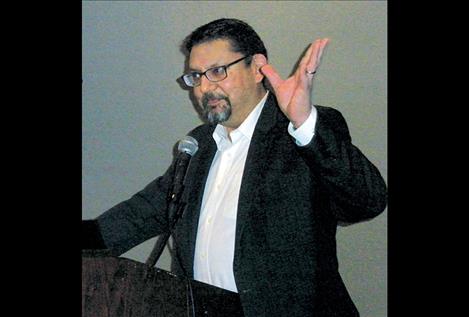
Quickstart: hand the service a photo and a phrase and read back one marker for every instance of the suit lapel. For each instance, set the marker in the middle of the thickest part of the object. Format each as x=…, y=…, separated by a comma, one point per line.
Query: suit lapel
x=253, y=174
x=196, y=177
x=255, y=164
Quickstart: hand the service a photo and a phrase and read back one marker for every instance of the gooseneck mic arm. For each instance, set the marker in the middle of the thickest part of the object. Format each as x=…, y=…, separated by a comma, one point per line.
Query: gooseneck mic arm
x=187, y=148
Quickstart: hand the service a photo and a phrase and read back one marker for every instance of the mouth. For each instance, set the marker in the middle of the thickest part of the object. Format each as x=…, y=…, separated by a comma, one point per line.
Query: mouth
x=216, y=109
x=215, y=103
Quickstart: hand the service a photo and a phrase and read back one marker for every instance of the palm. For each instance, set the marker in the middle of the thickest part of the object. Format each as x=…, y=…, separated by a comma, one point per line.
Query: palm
x=293, y=94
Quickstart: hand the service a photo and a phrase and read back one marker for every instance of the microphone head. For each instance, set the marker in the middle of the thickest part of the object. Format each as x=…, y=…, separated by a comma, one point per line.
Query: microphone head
x=188, y=145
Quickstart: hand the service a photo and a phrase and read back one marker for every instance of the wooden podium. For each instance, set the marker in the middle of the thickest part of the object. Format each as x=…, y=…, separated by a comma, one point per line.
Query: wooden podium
x=120, y=287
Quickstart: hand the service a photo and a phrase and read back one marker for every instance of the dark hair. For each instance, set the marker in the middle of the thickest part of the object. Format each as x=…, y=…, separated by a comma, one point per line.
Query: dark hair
x=242, y=37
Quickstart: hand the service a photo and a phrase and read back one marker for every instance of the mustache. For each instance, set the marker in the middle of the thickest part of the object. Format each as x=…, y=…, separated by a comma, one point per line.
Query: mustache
x=212, y=116
x=210, y=95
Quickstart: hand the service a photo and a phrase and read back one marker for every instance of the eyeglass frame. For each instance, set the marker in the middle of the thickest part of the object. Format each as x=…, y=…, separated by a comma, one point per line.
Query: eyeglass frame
x=225, y=67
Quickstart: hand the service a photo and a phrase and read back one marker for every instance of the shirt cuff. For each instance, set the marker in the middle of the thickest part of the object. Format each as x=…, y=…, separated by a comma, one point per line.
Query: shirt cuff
x=304, y=134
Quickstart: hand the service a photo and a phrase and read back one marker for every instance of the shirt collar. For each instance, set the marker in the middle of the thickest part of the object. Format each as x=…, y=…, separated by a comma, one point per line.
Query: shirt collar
x=246, y=129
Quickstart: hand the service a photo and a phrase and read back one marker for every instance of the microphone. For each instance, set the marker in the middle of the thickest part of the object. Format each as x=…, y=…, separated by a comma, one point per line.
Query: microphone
x=187, y=147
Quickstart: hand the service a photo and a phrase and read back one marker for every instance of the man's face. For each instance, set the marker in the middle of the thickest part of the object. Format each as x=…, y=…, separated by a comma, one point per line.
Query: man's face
x=228, y=101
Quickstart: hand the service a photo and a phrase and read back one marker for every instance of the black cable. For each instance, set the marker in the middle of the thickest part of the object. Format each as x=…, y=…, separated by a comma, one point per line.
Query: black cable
x=190, y=304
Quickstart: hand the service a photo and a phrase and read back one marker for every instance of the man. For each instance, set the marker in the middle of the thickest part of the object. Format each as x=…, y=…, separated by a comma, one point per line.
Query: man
x=272, y=177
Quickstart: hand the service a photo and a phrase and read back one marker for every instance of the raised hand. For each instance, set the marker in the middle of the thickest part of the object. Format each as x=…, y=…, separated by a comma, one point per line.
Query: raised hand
x=294, y=93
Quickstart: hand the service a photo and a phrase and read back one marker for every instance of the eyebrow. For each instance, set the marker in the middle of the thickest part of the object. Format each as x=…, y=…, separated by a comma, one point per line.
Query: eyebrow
x=211, y=66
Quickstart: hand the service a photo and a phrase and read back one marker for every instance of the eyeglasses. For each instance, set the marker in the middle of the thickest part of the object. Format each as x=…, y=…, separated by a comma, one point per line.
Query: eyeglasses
x=214, y=74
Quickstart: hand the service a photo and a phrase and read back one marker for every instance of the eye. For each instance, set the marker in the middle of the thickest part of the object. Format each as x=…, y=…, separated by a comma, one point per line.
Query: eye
x=196, y=75
x=218, y=71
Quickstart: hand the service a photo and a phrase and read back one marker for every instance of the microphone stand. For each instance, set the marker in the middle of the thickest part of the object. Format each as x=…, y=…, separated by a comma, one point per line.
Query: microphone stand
x=175, y=211
x=187, y=147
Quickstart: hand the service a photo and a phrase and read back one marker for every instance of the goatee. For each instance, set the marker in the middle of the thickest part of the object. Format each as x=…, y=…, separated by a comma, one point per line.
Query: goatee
x=212, y=116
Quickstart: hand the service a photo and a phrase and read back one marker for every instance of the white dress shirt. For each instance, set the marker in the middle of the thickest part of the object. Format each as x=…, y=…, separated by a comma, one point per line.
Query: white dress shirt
x=214, y=250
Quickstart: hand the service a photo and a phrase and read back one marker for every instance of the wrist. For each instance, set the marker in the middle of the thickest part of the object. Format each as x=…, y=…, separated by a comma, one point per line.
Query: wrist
x=300, y=119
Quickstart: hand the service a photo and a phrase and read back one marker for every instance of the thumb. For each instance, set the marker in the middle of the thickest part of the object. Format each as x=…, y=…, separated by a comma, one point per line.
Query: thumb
x=272, y=75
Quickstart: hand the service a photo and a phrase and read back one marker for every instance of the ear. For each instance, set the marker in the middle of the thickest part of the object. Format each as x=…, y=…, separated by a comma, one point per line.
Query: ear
x=259, y=60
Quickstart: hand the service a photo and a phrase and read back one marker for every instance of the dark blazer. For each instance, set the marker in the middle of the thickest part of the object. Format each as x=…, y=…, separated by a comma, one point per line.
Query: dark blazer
x=291, y=200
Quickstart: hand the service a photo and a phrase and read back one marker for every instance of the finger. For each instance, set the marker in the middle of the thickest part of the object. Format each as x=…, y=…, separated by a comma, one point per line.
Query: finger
x=308, y=65
x=308, y=55
x=322, y=46
x=272, y=75
x=315, y=58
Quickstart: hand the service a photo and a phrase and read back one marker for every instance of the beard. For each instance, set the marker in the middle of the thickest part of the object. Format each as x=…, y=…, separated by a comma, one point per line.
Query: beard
x=210, y=113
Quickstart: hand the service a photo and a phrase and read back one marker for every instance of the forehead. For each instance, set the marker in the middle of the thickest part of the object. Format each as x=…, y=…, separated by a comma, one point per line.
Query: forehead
x=209, y=54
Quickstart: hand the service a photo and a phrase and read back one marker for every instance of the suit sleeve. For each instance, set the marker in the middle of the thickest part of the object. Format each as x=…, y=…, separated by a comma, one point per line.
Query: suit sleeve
x=356, y=188
x=137, y=219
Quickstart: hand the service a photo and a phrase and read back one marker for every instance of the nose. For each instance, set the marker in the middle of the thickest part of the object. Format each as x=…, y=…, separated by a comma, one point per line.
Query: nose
x=206, y=85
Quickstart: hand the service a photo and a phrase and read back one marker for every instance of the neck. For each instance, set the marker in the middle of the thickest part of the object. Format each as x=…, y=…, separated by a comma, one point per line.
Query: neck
x=230, y=126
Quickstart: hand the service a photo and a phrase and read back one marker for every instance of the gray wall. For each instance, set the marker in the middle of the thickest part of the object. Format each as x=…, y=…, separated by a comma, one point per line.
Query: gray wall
x=134, y=111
